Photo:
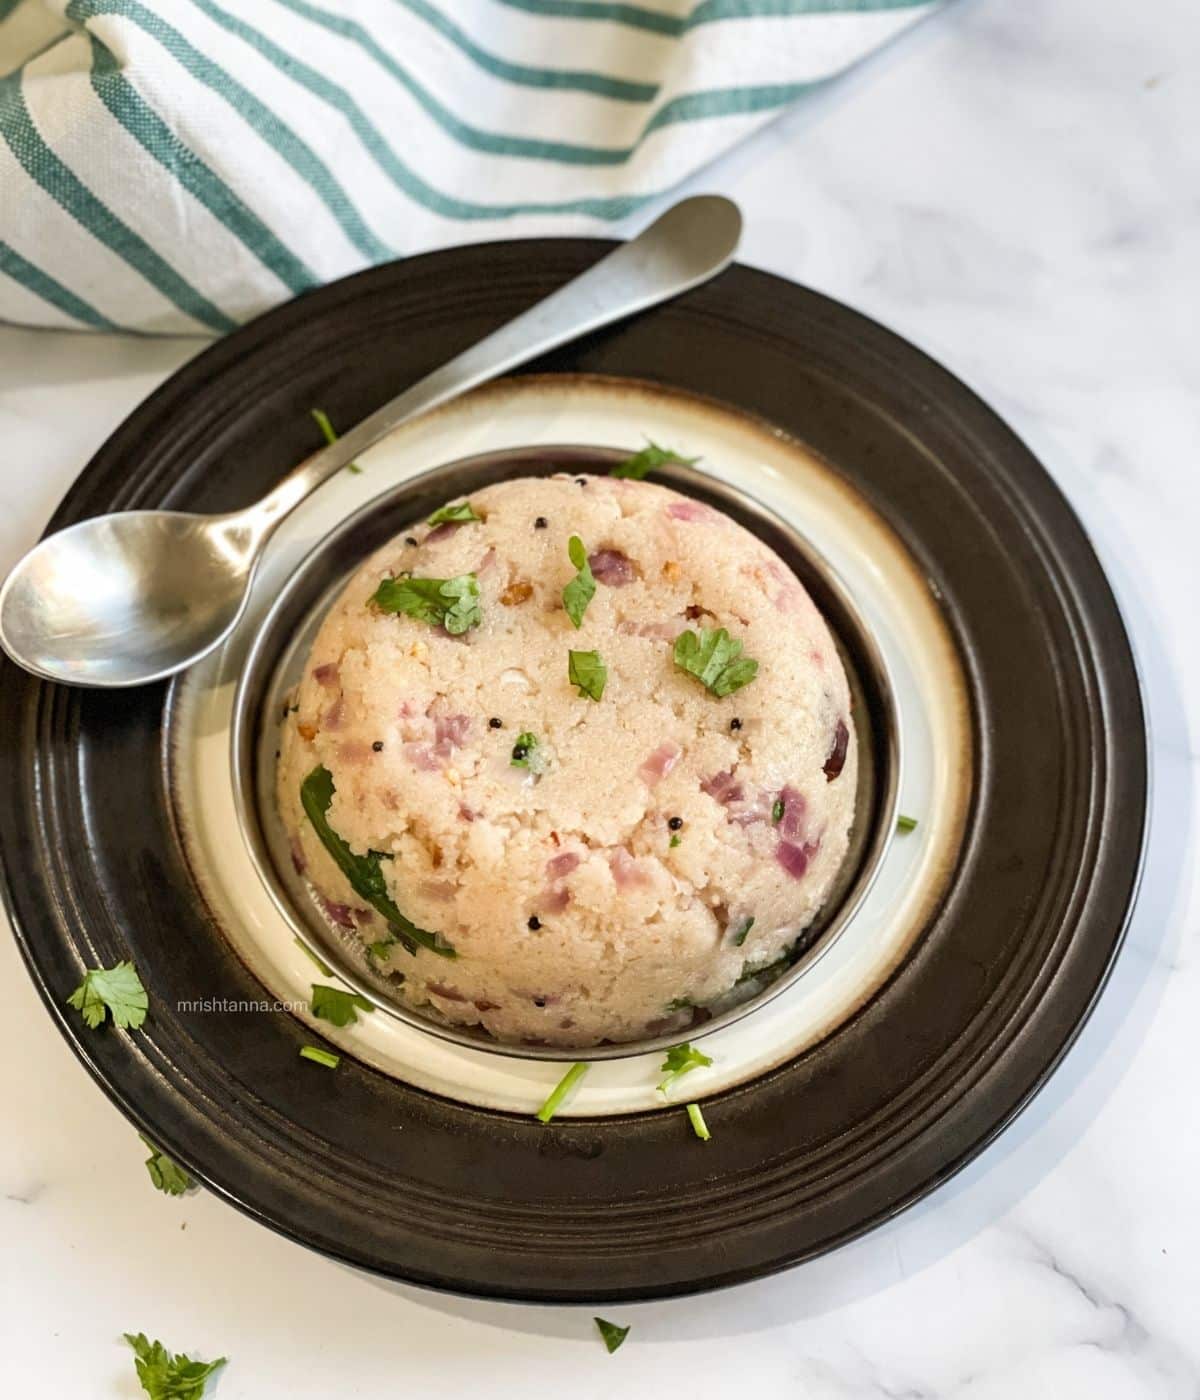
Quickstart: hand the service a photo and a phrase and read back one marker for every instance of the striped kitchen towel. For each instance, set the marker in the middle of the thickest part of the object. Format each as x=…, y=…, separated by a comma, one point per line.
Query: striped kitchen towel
x=180, y=165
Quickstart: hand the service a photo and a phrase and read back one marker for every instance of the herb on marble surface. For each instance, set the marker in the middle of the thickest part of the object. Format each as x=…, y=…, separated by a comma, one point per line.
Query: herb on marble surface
x=166, y=1174
x=612, y=1334
x=165, y=1376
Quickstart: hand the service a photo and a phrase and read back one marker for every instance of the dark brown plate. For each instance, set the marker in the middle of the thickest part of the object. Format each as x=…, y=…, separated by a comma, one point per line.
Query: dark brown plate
x=863, y=1124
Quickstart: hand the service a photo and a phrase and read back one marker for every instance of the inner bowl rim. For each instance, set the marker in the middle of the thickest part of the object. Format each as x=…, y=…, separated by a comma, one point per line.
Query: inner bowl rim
x=258, y=671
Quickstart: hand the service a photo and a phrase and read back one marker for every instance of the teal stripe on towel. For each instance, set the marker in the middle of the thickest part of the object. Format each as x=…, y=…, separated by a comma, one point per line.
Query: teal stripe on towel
x=91, y=213
x=559, y=79
x=42, y=285
x=707, y=12
x=146, y=127
x=303, y=160
x=401, y=175
x=687, y=107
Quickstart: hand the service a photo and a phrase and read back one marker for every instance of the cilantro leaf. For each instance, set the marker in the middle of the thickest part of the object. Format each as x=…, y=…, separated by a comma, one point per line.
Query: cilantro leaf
x=699, y=1126
x=168, y=1377
x=586, y=670
x=338, y=1006
x=460, y=514
x=740, y=936
x=321, y=419
x=582, y=589
x=321, y=965
x=166, y=1174
x=906, y=823
x=118, y=990
x=777, y=811
x=681, y=1004
x=364, y=872
x=319, y=1056
x=636, y=467
x=715, y=659
x=673, y=842
x=680, y=1060
x=560, y=1091
x=452, y=603
x=526, y=753
x=612, y=1334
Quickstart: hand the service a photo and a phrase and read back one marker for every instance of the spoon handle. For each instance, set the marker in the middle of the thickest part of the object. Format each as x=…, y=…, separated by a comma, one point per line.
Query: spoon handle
x=691, y=242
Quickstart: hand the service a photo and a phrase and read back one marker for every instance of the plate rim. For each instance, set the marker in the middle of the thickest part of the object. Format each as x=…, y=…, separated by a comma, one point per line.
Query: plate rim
x=91, y=1053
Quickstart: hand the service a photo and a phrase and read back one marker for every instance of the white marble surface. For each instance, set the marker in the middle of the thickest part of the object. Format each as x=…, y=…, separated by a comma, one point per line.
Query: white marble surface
x=1013, y=187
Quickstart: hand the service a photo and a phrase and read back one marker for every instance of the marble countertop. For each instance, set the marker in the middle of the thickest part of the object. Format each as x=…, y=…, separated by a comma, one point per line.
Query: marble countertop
x=1013, y=186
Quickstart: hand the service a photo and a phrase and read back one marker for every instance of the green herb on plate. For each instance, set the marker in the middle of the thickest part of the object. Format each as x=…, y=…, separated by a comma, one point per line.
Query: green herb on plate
x=586, y=670
x=582, y=589
x=339, y=1007
x=319, y=1056
x=699, y=1126
x=166, y=1174
x=327, y=432
x=681, y=1059
x=612, y=1334
x=560, y=1091
x=116, y=990
x=740, y=936
x=651, y=456
x=715, y=659
x=777, y=812
x=673, y=842
x=165, y=1376
x=321, y=965
x=461, y=514
x=364, y=872
x=906, y=823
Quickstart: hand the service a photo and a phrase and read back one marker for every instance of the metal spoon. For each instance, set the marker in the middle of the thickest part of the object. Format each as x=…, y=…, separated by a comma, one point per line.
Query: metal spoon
x=124, y=599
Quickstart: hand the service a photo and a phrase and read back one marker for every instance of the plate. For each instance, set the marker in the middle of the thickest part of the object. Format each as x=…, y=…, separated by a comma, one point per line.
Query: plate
x=944, y=1005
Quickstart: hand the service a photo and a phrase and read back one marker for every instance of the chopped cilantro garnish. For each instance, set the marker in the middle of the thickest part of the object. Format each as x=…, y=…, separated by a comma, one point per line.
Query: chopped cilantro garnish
x=612, y=1334
x=715, y=659
x=327, y=432
x=116, y=989
x=364, y=872
x=771, y=970
x=680, y=1059
x=452, y=603
x=460, y=514
x=680, y=1004
x=674, y=841
x=321, y=965
x=168, y=1377
x=338, y=1006
x=906, y=823
x=582, y=588
x=636, y=467
x=777, y=812
x=699, y=1126
x=586, y=670
x=740, y=936
x=524, y=752
x=166, y=1174
x=319, y=1056
x=383, y=949
x=560, y=1091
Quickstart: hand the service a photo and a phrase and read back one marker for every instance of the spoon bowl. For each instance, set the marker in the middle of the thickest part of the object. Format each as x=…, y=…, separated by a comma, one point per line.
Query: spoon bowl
x=124, y=599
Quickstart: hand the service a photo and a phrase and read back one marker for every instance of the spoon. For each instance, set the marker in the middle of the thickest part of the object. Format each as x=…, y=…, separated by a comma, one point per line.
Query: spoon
x=125, y=599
